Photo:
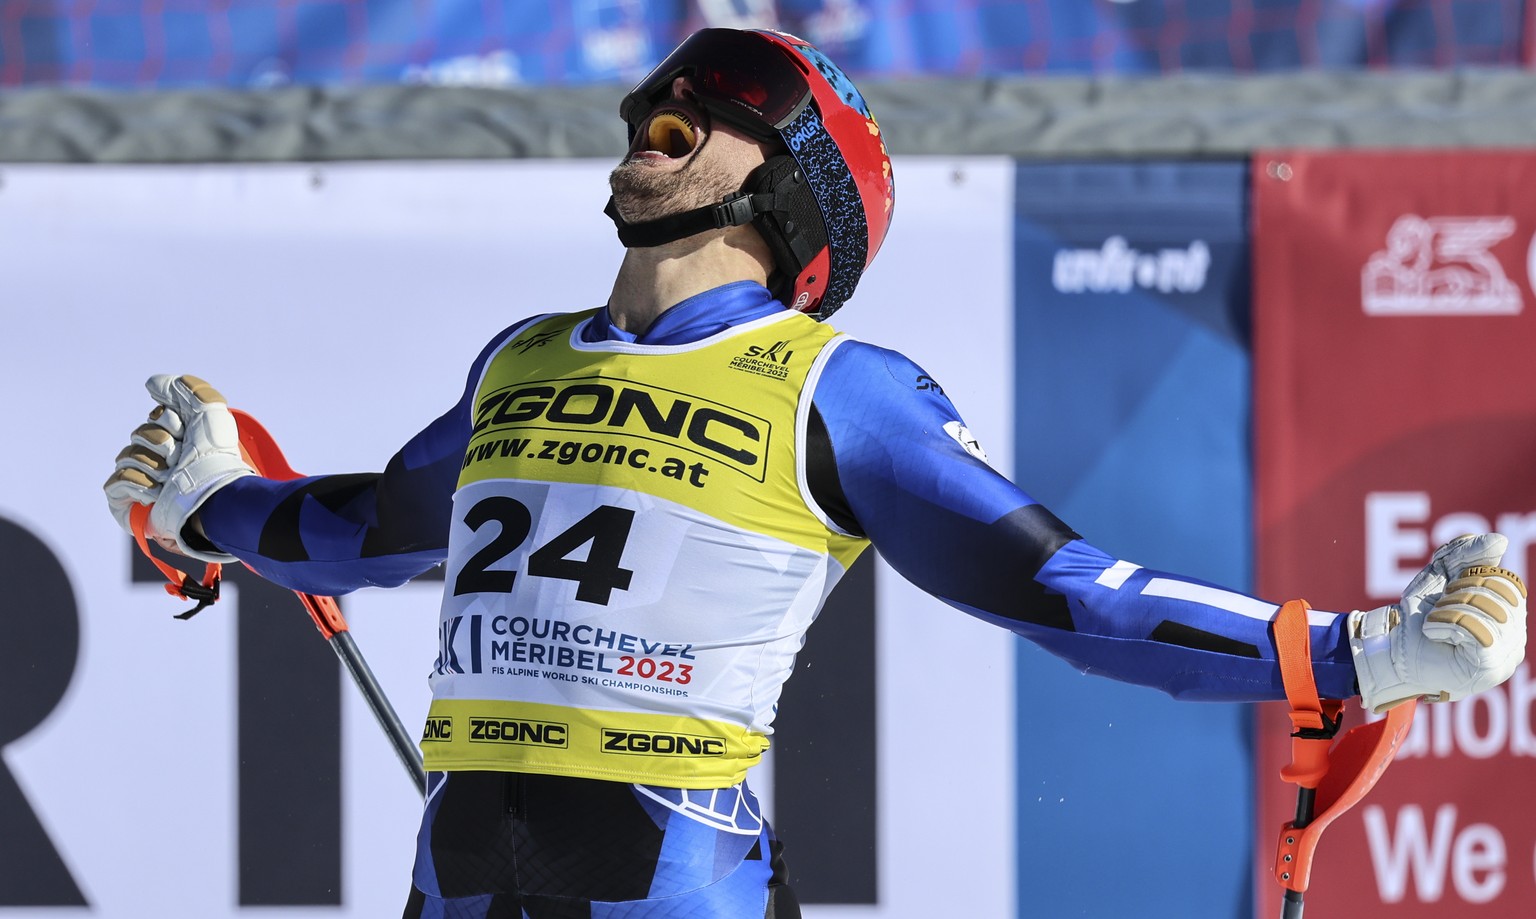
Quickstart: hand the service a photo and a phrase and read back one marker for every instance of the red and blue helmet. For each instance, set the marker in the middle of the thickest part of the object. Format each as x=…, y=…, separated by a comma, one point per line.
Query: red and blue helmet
x=831, y=196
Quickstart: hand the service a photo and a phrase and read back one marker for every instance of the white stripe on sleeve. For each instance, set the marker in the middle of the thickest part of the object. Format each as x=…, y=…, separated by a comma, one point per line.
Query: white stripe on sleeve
x=1115, y=576
x=1225, y=599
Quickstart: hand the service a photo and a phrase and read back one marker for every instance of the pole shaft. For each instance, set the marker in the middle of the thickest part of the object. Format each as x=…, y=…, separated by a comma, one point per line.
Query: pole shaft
x=399, y=738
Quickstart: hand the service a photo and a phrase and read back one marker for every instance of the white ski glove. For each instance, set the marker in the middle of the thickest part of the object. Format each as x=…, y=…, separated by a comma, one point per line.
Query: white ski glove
x=1459, y=629
x=189, y=449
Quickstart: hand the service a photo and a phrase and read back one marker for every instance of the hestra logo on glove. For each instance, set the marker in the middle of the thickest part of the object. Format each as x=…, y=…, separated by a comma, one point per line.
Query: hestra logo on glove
x=1480, y=571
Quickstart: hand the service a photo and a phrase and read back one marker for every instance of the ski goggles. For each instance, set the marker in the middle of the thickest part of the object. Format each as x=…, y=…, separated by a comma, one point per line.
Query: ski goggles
x=743, y=78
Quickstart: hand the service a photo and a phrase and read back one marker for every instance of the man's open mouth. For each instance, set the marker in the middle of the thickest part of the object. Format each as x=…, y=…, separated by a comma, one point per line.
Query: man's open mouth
x=671, y=133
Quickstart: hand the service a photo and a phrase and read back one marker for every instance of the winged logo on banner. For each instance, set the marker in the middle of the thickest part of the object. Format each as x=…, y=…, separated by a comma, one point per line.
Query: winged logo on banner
x=1440, y=266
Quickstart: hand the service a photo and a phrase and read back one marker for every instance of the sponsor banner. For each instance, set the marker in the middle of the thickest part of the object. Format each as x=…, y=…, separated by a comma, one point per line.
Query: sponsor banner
x=224, y=767
x=1132, y=394
x=138, y=43
x=1395, y=409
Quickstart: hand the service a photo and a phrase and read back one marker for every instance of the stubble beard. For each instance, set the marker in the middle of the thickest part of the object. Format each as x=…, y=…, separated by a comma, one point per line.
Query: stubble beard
x=643, y=193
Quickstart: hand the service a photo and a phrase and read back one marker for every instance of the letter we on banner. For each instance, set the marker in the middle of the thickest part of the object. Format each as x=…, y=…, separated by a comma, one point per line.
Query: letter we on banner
x=1395, y=408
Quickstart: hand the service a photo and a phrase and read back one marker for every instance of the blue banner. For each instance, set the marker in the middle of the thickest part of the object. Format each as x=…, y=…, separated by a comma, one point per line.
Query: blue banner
x=255, y=43
x=1132, y=401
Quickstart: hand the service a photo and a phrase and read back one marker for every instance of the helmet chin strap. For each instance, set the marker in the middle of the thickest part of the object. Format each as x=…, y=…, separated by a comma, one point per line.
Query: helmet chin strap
x=736, y=210
x=770, y=187
x=774, y=198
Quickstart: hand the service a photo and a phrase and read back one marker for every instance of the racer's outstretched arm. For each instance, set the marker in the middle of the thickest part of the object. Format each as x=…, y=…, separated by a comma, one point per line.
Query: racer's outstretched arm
x=323, y=535
x=332, y=534
x=335, y=533
x=962, y=532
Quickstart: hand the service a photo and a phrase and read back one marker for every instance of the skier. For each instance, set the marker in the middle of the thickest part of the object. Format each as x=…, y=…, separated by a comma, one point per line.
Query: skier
x=643, y=506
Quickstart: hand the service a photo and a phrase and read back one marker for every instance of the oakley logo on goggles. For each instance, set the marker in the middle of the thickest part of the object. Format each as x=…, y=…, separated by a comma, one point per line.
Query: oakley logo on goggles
x=743, y=78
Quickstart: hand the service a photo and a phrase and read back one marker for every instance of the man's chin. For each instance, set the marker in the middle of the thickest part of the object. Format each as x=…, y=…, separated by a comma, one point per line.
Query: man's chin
x=640, y=209
x=642, y=193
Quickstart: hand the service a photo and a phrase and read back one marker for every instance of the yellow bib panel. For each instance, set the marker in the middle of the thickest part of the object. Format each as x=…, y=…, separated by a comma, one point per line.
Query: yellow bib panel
x=633, y=561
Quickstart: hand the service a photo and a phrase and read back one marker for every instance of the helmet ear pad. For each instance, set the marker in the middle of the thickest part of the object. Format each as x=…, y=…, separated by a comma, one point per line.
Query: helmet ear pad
x=793, y=227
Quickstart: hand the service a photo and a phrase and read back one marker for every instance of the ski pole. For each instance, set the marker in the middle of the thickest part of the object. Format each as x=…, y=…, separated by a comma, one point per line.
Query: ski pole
x=263, y=454
x=327, y=618
x=267, y=459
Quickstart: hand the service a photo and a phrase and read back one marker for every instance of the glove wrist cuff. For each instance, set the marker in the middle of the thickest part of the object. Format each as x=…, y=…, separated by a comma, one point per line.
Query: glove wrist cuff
x=175, y=508
x=1370, y=644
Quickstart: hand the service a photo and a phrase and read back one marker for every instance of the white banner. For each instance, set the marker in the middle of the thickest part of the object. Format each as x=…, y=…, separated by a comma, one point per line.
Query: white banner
x=342, y=305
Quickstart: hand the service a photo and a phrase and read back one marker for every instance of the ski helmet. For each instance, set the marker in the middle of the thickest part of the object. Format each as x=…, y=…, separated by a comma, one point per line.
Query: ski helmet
x=825, y=206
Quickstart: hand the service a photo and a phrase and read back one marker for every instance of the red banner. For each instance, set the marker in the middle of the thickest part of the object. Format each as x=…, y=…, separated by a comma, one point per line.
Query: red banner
x=1395, y=408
